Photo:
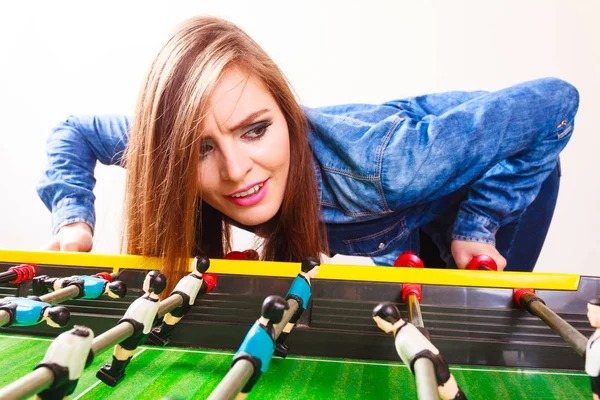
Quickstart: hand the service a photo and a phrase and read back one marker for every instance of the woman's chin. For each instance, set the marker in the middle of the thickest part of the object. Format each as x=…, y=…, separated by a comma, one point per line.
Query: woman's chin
x=255, y=219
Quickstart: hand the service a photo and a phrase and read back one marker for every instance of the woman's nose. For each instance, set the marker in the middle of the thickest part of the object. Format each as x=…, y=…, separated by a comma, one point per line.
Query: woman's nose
x=236, y=164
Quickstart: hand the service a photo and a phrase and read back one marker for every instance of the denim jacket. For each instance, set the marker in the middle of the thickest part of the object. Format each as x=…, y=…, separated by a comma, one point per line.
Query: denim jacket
x=383, y=170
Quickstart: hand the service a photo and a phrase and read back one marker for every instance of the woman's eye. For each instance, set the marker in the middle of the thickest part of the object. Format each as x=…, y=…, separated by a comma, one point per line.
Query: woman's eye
x=205, y=149
x=256, y=132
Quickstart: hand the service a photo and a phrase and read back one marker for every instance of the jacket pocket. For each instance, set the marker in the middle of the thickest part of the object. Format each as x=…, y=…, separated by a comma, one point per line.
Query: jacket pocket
x=377, y=243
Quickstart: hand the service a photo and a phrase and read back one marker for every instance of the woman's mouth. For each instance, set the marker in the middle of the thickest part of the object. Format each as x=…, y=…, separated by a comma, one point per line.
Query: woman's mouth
x=251, y=196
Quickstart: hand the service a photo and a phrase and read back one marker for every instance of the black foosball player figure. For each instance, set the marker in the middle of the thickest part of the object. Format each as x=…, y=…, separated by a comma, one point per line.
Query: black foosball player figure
x=412, y=344
x=592, y=350
x=259, y=344
x=67, y=357
x=140, y=314
x=300, y=290
x=188, y=288
x=90, y=286
x=25, y=311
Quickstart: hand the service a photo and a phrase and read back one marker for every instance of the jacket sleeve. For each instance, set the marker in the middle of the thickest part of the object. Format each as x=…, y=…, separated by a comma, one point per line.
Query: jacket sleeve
x=502, y=145
x=73, y=148
x=438, y=103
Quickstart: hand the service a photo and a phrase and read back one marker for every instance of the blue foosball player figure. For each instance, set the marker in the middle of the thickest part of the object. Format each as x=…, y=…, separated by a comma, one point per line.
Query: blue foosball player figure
x=412, y=344
x=197, y=282
x=28, y=311
x=300, y=290
x=141, y=315
x=66, y=357
x=90, y=286
x=592, y=350
x=259, y=344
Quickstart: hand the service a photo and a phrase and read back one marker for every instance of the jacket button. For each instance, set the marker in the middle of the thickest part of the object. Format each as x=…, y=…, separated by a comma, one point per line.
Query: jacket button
x=381, y=245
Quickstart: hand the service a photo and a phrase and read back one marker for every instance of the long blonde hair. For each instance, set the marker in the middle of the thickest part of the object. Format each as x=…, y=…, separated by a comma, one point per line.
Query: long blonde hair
x=165, y=216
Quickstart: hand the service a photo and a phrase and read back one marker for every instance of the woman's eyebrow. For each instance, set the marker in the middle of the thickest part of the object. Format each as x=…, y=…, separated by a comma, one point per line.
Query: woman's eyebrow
x=248, y=120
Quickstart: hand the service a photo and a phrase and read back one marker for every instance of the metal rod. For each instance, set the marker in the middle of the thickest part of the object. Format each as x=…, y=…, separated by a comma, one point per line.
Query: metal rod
x=61, y=295
x=233, y=382
x=424, y=370
x=287, y=315
x=32, y=383
x=111, y=337
x=8, y=276
x=414, y=311
x=169, y=304
x=572, y=336
x=426, y=382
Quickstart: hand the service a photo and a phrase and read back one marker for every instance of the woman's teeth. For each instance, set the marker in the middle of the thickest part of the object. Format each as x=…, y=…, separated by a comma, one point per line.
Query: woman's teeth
x=248, y=192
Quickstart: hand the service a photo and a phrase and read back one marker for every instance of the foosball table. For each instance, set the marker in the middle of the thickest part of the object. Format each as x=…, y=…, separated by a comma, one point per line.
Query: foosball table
x=498, y=341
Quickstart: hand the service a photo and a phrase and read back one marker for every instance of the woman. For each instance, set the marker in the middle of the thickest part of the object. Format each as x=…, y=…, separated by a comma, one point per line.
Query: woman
x=218, y=139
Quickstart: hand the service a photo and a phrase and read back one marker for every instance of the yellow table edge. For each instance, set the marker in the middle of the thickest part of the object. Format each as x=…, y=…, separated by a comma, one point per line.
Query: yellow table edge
x=428, y=276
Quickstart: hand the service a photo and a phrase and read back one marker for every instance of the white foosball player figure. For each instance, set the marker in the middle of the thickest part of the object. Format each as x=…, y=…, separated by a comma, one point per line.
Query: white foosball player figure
x=140, y=314
x=592, y=350
x=66, y=357
x=197, y=282
x=412, y=344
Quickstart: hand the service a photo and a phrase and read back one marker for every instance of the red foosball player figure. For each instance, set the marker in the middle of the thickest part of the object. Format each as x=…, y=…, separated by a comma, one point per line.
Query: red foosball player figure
x=259, y=344
x=412, y=344
x=90, y=286
x=25, y=311
x=140, y=314
x=592, y=350
x=188, y=288
x=300, y=290
x=66, y=357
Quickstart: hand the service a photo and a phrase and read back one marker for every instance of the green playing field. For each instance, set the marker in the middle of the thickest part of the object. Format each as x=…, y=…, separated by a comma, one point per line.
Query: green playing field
x=193, y=373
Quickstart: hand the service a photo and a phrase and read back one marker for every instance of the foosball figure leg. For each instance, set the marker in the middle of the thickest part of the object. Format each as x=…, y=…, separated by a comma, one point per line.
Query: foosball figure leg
x=113, y=373
x=42, y=284
x=161, y=335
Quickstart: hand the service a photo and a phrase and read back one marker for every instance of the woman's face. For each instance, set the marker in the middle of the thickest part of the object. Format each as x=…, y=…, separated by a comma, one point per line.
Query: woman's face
x=244, y=150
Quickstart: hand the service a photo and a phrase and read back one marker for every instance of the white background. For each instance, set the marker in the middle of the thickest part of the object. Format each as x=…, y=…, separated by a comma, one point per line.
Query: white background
x=60, y=58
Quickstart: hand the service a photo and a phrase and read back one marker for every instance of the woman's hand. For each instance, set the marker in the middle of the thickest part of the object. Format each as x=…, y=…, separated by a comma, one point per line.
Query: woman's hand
x=464, y=251
x=72, y=237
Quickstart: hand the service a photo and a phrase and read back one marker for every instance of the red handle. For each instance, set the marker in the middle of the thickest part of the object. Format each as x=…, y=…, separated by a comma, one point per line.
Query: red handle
x=249, y=254
x=105, y=276
x=517, y=293
x=408, y=259
x=24, y=272
x=483, y=262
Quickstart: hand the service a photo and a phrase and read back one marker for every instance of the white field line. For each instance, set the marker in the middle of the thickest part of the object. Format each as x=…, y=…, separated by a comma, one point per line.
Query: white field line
x=87, y=390
x=99, y=381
